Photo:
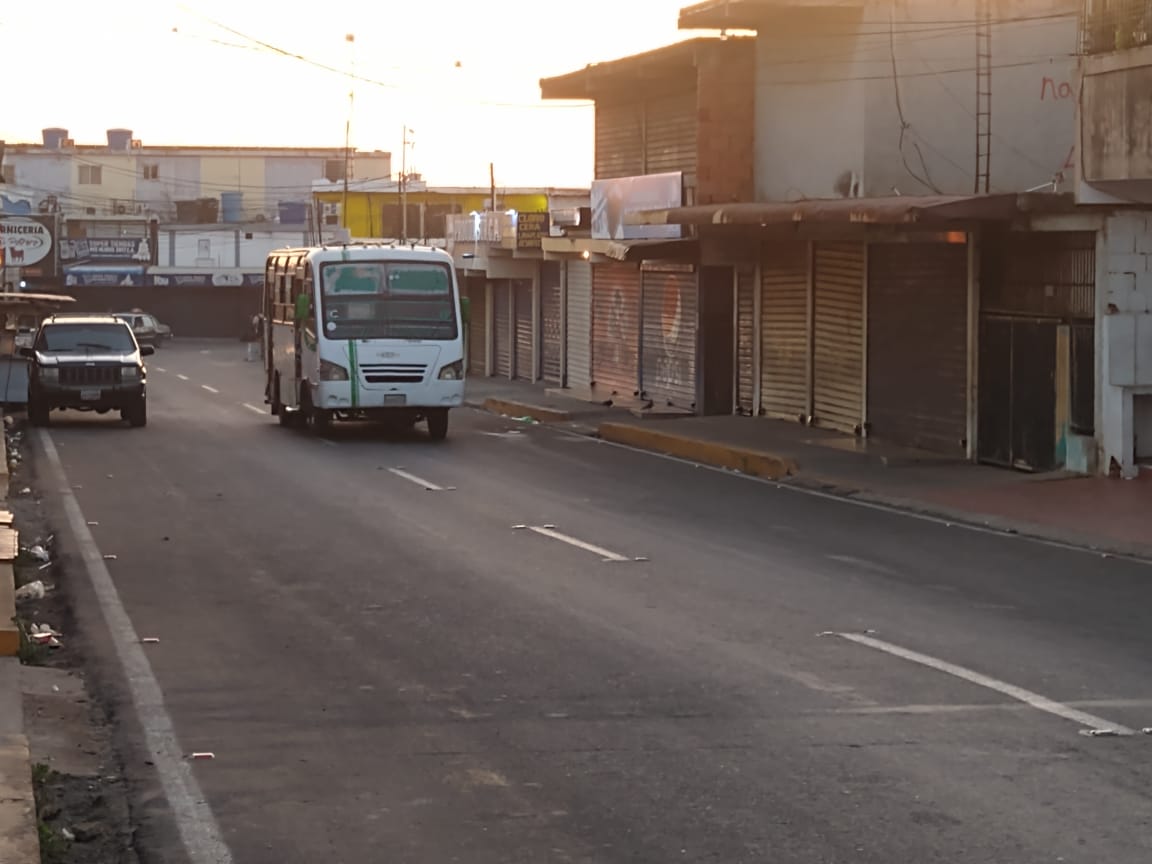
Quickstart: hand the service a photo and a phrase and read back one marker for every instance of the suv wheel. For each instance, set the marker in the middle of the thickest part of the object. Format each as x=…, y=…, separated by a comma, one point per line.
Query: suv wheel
x=136, y=414
x=38, y=414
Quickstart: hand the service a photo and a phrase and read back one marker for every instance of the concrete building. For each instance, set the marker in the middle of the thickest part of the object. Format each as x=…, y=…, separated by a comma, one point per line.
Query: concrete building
x=126, y=177
x=1114, y=172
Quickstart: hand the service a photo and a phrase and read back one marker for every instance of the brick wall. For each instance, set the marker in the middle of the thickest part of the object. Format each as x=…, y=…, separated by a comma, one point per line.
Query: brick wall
x=726, y=100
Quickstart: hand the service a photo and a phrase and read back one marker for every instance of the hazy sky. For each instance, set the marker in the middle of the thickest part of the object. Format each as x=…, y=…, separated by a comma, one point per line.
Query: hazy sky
x=166, y=71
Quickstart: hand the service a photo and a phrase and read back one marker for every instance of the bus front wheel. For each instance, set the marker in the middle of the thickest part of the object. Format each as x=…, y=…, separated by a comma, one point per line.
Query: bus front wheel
x=438, y=424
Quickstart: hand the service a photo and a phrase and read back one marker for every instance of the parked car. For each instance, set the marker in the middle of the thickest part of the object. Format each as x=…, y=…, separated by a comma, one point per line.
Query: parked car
x=91, y=363
x=148, y=329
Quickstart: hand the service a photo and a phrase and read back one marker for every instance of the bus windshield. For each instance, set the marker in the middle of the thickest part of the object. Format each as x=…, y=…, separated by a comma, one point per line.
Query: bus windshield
x=388, y=300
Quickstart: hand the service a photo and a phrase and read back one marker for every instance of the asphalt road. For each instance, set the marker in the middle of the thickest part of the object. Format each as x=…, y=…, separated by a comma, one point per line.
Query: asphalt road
x=387, y=673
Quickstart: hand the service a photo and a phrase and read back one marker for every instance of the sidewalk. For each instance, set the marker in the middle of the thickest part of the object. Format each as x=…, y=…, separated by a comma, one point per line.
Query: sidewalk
x=1096, y=512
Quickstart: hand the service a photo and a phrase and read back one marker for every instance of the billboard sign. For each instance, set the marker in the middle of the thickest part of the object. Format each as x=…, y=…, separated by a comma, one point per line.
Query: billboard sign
x=612, y=199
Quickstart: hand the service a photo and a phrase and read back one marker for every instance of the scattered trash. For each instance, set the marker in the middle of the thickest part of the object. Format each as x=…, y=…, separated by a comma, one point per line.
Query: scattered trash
x=1147, y=730
x=93, y=524
x=67, y=835
x=1099, y=733
x=519, y=527
x=39, y=553
x=109, y=557
x=530, y=420
x=640, y=558
x=8, y=422
x=42, y=634
x=44, y=567
x=25, y=491
x=150, y=640
x=203, y=756
x=31, y=591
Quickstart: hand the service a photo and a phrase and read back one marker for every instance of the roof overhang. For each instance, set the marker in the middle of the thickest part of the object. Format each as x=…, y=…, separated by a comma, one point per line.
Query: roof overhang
x=632, y=251
x=668, y=64
x=896, y=210
x=748, y=14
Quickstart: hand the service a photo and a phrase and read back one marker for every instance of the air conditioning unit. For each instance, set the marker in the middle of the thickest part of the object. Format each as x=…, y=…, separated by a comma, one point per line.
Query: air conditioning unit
x=120, y=208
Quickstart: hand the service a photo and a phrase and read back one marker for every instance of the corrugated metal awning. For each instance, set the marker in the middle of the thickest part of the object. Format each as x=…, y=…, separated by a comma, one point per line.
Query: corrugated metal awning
x=679, y=249
x=895, y=210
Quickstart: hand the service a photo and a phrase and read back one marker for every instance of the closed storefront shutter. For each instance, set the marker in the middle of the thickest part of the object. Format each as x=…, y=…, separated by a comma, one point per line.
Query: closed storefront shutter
x=579, y=324
x=522, y=294
x=784, y=331
x=502, y=327
x=668, y=375
x=551, y=319
x=838, y=336
x=477, y=327
x=670, y=130
x=616, y=329
x=918, y=345
x=619, y=139
x=745, y=338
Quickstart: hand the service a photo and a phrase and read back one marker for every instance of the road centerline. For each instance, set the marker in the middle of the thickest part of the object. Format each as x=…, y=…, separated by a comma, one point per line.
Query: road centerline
x=553, y=534
x=412, y=478
x=209, y=389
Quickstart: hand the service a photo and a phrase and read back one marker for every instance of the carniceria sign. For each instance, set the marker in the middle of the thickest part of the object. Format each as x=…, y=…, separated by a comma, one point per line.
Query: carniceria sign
x=25, y=242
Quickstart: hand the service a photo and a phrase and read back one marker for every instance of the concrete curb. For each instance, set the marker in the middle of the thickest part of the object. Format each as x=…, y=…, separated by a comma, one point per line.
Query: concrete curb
x=745, y=460
x=512, y=408
x=19, y=839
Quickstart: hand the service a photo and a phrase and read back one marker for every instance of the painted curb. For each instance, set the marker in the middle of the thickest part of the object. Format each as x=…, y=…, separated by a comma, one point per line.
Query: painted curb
x=9, y=632
x=524, y=409
x=755, y=463
x=19, y=840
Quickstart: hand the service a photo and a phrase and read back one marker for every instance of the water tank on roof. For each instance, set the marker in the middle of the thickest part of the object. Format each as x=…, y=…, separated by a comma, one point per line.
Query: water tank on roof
x=54, y=137
x=119, y=139
x=293, y=212
x=231, y=206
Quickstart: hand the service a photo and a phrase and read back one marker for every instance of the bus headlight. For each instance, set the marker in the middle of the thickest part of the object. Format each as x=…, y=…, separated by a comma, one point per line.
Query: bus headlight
x=332, y=371
x=452, y=372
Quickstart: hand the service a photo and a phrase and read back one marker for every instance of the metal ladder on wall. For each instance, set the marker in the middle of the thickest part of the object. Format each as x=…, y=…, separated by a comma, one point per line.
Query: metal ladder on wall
x=983, y=171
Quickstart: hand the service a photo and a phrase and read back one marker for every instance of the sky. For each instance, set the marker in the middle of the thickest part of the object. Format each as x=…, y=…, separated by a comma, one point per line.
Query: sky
x=463, y=75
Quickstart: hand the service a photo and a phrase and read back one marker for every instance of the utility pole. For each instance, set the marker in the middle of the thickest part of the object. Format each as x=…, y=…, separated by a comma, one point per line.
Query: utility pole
x=404, y=187
x=350, y=38
x=492, y=183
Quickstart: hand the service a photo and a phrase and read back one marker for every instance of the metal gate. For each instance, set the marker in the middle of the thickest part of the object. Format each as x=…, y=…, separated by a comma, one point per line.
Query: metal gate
x=552, y=321
x=477, y=327
x=1018, y=393
x=918, y=345
x=616, y=329
x=522, y=297
x=579, y=334
x=668, y=373
x=502, y=327
x=784, y=330
x=745, y=339
x=838, y=336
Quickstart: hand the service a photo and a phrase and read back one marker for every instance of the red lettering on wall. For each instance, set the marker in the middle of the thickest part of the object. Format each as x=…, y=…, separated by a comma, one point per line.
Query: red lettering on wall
x=1051, y=89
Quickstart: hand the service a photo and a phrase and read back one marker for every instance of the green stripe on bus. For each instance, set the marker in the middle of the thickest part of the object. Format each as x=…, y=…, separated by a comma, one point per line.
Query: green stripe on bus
x=354, y=372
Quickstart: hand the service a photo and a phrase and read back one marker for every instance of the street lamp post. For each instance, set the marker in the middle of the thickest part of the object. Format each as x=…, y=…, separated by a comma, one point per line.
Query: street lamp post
x=404, y=186
x=350, y=38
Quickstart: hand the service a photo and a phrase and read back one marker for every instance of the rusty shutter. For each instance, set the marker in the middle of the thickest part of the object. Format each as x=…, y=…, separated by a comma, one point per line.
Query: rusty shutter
x=619, y=139
x=784, y=329
x=477, y=327
x=918, y=345
x=745, y=338
x=1048, y=274
x=579, y=334
x=552, y=321
x=502, y=327
x=670, y=130
x=838, y=336
x=522, y=298
x=616, y=329
x=668, y=373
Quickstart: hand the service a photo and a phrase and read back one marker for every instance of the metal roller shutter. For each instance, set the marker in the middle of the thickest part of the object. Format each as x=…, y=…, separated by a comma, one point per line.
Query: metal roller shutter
x=477, y=328
x=579, y=324
x=619, y=139
x=668, y=374
x=838, y=336
x=745, y=338
x=784, y=331
x=918, y=345
x=502, y=327
x=616, y=329
x=552, y=320
x=522, y=297
x=670, y=132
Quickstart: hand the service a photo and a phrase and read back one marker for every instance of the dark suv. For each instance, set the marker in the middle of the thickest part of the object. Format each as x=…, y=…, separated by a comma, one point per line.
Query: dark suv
x=87, y=363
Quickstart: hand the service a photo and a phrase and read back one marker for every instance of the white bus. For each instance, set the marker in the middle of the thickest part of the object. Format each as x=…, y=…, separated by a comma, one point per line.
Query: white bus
x=362, y=331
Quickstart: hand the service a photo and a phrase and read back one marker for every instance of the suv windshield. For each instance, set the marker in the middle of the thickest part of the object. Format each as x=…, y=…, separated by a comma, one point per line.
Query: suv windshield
x=86, y=337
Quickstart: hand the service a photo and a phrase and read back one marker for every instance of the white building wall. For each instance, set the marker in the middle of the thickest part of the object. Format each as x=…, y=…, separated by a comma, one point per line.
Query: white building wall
x=1125, y=339
x=827, y=111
